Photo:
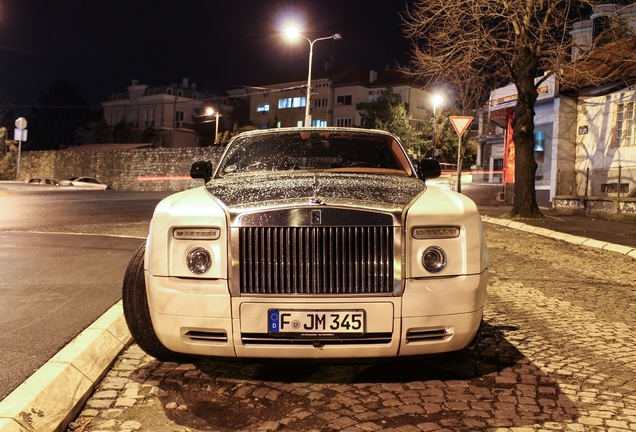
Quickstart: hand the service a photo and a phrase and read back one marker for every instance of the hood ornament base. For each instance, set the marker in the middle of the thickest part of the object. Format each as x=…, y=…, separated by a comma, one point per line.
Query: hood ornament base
x=316, y=200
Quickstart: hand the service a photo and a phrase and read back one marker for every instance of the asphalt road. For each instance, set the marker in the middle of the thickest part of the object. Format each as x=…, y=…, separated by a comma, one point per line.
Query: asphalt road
x=55, y=284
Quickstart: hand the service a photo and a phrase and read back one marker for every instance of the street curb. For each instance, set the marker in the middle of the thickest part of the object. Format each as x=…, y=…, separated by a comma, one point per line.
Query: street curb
x=577, y=240
x=55, y=394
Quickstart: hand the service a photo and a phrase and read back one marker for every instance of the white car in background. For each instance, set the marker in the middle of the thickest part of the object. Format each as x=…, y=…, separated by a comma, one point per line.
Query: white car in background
x=84, y=182
x=310, y=243
x=43, y=181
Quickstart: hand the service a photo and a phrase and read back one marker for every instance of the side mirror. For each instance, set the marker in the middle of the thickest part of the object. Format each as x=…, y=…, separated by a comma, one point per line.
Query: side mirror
x=201, y=170
x=428, y=169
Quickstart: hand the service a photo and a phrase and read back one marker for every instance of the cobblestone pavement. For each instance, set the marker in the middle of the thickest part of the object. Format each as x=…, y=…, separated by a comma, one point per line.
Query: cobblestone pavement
x=558, y=354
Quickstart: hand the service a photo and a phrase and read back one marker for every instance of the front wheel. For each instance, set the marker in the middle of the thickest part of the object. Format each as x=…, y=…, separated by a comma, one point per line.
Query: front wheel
x=137, y=313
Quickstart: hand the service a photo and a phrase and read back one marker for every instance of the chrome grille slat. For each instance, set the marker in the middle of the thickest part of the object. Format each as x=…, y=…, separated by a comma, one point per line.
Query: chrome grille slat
x=316, y=260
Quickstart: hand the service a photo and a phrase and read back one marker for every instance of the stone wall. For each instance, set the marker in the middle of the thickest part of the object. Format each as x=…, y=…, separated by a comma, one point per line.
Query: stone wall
x=147, y=169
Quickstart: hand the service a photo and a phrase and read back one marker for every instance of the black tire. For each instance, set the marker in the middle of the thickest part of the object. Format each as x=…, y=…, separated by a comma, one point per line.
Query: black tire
x=137, y=313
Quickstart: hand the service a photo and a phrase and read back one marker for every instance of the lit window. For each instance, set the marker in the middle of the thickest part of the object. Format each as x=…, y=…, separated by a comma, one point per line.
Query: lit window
x=296, y=102
x=262, y=108
x=319, y=123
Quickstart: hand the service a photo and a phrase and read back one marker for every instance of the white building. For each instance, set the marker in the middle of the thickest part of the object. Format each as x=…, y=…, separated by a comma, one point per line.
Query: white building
x=605, y=163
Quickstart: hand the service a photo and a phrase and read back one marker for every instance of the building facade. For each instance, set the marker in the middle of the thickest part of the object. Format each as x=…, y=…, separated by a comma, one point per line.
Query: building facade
x=553, y=132
x=339, y=98
x=605, y=158
x=167, y=110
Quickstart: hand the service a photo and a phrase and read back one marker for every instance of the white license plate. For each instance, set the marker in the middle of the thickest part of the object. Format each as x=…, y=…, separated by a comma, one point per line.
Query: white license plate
x=323, y=323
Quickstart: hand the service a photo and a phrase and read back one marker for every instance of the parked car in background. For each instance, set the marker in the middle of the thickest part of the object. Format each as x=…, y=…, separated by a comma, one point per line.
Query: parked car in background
x=43, y=181
x=310, y=243
x=84, y=182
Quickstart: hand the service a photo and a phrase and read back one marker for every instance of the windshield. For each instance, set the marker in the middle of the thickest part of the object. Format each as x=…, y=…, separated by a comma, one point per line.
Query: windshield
x=320, y=150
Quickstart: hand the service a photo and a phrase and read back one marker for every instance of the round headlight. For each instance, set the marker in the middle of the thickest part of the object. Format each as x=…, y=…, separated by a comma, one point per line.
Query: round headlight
x=434, y=259
x=199, y=260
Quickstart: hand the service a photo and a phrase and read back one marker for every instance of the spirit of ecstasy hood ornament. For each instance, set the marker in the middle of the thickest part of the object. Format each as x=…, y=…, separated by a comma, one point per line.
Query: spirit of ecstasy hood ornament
x=316, y=199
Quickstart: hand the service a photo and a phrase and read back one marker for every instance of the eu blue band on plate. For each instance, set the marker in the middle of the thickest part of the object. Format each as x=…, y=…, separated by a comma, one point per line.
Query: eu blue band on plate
x=274, y=321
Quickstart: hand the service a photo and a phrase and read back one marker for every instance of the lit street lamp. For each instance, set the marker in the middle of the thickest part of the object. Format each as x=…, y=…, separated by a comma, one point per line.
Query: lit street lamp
x=292, y=33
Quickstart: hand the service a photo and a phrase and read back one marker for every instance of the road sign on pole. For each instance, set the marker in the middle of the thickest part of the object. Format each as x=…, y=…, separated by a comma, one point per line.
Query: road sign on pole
x=21, y=123
x=460, y=123
x=20, y=135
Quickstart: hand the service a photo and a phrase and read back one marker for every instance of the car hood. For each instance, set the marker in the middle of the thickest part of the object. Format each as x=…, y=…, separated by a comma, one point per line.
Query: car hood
x=387, y=192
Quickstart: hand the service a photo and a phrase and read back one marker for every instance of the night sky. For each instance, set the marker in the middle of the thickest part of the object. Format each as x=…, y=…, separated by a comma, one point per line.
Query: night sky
x=101, y=46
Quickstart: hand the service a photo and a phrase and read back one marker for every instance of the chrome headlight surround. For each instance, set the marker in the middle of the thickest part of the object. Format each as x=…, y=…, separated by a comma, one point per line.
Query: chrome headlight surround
x=434, y=259
x=199, y=260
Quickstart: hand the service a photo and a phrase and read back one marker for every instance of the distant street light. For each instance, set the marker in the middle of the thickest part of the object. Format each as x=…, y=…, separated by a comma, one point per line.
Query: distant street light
x=293, y=33
x=209, y=111
x=437, y=100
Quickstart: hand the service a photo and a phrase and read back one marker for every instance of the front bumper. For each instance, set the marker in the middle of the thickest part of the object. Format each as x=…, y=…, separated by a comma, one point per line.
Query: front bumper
x=200, y=317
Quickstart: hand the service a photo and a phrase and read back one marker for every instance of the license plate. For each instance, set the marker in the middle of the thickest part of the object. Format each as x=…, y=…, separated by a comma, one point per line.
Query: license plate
x=323, y=323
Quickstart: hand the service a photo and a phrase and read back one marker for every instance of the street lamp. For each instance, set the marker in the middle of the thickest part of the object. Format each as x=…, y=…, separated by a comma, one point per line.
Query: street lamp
x=293, y=33
x=437, y=100
x=209, y=111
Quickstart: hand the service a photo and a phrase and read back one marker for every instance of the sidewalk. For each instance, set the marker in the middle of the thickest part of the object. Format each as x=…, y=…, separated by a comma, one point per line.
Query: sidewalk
x=604, y=230
x=55, y=394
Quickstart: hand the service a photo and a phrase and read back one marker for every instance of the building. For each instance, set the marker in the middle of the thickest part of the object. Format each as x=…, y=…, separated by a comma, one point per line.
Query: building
x=605, y=160
x=585, y=32
x=339, y=98
x=585, y=129
x=167, y=111
x=551, y=140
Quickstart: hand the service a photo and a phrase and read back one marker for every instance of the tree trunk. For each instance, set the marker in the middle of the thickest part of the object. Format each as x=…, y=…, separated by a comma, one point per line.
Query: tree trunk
x=524, y=203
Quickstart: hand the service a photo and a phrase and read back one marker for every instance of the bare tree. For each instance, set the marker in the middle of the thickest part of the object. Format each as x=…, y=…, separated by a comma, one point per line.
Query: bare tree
x=498, y=41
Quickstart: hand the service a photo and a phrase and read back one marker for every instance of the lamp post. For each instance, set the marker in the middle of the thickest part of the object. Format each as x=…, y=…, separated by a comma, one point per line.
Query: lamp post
x=292, y=33
x=437, y=99
x=211, y=111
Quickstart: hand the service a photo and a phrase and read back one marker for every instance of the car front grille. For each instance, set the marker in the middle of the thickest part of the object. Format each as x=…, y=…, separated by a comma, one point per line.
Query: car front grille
x=316, y=260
